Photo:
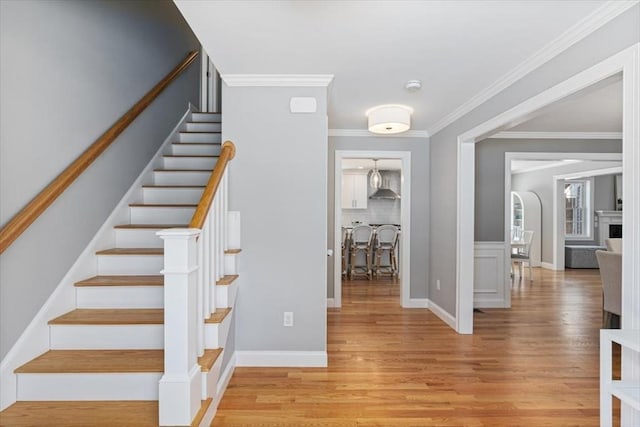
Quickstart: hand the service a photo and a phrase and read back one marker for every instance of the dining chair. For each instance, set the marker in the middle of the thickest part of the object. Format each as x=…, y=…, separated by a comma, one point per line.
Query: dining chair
x=520, y=252
x=610, y=264
x=386, y=242
x=345, y=251
x=361, y=241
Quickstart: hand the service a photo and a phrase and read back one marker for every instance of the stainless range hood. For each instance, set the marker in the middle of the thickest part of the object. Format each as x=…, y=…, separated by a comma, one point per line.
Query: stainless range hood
x=384, y=192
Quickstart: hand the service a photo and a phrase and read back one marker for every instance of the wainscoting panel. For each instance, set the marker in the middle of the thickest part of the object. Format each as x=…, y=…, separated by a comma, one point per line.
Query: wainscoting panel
x=491, y=288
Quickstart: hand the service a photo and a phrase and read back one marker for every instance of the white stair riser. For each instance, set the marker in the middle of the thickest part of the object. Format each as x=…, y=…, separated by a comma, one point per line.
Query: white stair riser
x=210, y=379
x=106, y=337
x=161, y=214
x=187, y=195
x=120, y=297
x=138, y=238
x=206, y=117
x=215, y=334
x=203, y=127
x=180, y=149
x=190, y=163
x=129, y=264
x=199, y=137
x=226, y=294
x=231, y=263
x=92, y=386
x=181, y=178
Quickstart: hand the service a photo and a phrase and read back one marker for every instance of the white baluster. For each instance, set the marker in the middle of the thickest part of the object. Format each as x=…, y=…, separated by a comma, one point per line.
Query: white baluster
x=212, y=264
x=180, y=388
x=199, y=306
x=206, y=285
x=219, y=247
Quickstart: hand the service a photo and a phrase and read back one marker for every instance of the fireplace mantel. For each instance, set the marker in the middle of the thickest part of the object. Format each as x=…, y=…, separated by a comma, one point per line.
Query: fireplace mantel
x=605, y=218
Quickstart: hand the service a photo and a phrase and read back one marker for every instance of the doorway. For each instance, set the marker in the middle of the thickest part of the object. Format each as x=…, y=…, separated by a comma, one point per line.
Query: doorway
x=404, y=159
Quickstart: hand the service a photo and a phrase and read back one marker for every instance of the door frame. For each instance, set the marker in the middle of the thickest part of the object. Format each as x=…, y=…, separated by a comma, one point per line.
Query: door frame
x=405, y=214
x=626, y=62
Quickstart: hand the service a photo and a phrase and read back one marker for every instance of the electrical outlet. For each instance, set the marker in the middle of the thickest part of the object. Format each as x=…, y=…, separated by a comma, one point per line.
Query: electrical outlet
x=438, y=284
x=288, y=318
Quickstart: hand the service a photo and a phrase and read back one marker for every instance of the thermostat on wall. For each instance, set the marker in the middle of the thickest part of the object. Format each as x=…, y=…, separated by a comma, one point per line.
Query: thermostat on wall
x=303, y=105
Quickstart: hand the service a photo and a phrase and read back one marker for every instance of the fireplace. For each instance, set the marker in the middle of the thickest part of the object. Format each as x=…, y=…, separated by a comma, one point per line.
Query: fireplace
x=615, y=231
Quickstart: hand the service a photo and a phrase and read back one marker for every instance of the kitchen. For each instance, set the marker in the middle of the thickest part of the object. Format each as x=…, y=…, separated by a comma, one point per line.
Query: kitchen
x=371, y=196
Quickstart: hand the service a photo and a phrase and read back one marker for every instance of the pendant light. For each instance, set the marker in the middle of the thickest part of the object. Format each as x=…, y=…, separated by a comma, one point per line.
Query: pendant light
x=375, y=180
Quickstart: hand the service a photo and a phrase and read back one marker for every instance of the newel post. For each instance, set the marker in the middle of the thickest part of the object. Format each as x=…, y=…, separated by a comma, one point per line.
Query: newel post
x=181, y=385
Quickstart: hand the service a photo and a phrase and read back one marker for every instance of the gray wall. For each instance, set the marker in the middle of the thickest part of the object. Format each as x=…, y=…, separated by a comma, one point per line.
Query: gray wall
x=278, y=182
x=541, y=183
x=68, y=70
x=419, y=148
x=489, y=191
x=620, y=33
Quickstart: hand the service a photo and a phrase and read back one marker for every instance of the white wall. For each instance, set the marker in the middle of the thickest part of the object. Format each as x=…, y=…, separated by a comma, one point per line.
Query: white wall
x=278, y=181
x=617, y=35
x=68, y=70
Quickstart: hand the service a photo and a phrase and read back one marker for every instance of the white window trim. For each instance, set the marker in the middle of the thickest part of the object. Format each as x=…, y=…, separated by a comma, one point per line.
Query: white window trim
x=589, y=209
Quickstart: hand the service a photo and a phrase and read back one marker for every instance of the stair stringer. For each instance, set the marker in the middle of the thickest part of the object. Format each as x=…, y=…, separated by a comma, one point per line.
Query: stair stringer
x=35, y=339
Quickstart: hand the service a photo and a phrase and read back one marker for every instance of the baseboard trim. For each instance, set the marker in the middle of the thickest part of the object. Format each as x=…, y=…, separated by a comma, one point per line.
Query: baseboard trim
x=223, y=382
x=442, y=314
x=550, y=266
x=311, y=359
x=331, y=302
x=416, y=303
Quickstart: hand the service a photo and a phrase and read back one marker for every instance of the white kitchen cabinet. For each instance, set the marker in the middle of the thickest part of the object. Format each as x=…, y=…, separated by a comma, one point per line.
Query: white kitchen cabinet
x=354, y=191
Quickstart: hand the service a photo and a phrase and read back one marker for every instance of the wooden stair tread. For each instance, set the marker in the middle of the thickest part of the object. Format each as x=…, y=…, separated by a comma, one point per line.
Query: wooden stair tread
x=204, y=406
x=111, y=316
x=209, y=357
x=95, y=361
x=132, y=251
x=155, y=280
x=218, y=316
x=232, y=251
x=162, y=205
x=151, y=226
x=227, y=279
x=132, y=413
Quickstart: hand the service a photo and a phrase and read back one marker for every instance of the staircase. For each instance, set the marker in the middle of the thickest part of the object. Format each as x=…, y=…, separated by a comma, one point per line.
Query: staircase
x=107, y=356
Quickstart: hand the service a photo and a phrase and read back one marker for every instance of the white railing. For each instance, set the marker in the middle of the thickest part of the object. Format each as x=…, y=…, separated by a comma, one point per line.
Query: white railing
x=193, y=263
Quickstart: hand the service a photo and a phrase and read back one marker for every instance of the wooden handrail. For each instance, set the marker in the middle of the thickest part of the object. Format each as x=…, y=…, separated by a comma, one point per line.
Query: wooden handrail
x=23, y=219
x=227, y=153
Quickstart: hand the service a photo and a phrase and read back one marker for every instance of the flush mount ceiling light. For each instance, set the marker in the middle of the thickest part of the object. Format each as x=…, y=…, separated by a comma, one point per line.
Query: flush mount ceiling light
x=389, y=119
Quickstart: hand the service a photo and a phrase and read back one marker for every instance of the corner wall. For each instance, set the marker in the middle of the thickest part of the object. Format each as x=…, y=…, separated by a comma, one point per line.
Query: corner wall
x=68, y=70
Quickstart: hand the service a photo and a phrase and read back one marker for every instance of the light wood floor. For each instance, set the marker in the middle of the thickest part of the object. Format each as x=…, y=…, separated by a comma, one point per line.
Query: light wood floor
x=535, y=364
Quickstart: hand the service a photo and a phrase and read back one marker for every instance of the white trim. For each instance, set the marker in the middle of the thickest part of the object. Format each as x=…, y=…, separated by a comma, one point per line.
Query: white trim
x=499, y=295
x=224, y=380
x=417, y=303
x=625, y=61
x=556, y=135
x=277, y=80
x=548, y=266
x=311, y=359
x=331, y=303
x=442, y=314
x=35, y=338
x=366, y=133
x=405, y=212
x=577, y=32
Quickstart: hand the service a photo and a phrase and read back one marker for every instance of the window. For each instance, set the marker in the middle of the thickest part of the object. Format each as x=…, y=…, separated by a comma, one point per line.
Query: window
x=577, y=196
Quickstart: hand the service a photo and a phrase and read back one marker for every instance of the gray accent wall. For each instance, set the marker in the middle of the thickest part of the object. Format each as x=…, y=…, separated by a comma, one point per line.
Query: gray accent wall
x=620, y=33
x=68, y=70
x=278, y=183
x=419, y=148
x=541, y=182
x=490, y=173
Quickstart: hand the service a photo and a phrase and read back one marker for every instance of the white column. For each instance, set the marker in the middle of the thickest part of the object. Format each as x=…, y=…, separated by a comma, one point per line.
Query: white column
x=181, y=385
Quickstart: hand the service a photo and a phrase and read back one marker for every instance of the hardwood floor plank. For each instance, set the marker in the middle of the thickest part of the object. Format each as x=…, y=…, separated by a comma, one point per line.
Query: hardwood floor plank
x=536, y=364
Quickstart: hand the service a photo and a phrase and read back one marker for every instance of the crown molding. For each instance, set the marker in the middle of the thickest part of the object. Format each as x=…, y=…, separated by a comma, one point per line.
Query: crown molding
x=363, y=132
x=557, y=135
x=579, y=31
x=277, y=80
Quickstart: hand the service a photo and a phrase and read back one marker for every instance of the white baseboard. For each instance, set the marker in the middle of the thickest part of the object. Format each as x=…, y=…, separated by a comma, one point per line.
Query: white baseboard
x=416, y=303
x=331, y=302
x=442, y=314
x=35, y=338
x=550, y=266
x=311, y=359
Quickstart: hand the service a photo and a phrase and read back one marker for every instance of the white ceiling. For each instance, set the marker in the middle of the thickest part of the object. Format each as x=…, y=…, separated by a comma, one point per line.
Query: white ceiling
x=457, y=48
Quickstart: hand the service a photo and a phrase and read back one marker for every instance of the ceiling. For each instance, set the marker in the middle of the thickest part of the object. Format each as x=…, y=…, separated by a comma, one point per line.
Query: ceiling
x=367, y=164
x=456, y=48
